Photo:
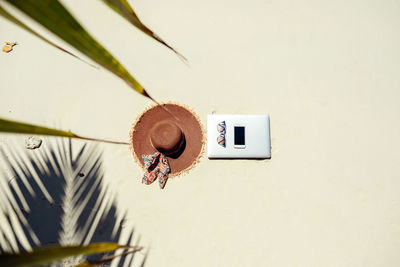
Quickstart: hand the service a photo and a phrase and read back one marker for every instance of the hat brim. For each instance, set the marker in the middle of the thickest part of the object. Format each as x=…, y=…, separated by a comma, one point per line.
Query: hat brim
x=182, y=116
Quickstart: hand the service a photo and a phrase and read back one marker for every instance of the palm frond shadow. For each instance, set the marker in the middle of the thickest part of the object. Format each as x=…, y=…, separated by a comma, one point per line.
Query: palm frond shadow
x=53, y=196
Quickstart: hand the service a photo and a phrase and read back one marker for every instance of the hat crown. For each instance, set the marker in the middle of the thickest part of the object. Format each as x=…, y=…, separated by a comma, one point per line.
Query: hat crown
x=166, y=137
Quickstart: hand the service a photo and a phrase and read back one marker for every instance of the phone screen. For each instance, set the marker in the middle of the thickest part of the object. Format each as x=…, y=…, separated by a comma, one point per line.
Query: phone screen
x=239, y=135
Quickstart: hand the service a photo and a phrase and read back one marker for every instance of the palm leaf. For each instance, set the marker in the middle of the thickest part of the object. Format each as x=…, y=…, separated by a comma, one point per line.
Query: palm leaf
x=52, y=15
x=123, y=8
x=13, y=19
x=49, y=254
x=9, y=126
x=107, y=259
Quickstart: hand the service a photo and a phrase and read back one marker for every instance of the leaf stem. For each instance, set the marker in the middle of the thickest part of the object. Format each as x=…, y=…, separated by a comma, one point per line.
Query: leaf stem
x=161, y=105
x=99, y=140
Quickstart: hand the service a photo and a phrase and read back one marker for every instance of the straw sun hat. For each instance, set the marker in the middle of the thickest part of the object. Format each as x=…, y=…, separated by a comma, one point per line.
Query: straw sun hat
x=171, y=129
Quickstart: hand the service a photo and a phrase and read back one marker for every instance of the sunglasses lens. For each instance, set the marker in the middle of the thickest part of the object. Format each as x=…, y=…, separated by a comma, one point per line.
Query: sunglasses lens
x=221, y=140
x=221, y=127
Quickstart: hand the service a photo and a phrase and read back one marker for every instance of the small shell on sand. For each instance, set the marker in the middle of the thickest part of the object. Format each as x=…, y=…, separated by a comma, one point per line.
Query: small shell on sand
x=7, y=49
x=33, y=142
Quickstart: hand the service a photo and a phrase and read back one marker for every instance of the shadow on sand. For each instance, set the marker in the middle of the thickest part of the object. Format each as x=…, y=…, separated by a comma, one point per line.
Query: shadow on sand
x=52, y=196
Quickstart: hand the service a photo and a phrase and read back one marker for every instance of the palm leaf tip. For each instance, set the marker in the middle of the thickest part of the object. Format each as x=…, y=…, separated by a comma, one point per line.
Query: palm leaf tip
x=123, y=8
x=108, y=259
x=9, y=126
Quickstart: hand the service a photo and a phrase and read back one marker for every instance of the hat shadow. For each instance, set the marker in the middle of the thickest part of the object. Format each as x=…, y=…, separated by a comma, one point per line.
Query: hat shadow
x=178, y=153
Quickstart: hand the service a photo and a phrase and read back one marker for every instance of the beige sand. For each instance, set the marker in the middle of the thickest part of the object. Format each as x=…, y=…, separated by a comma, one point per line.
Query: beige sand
x=327, y=72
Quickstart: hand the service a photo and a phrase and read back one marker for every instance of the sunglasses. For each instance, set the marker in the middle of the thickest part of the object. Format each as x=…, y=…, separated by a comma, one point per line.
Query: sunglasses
x=221, y=127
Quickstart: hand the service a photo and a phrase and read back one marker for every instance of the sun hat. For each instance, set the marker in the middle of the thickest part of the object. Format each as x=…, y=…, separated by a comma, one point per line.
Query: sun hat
x=171, y=129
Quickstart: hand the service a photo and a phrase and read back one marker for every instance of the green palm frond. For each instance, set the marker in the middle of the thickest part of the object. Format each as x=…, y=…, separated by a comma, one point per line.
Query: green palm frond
x=13, y=19
x=10, y=126
x=123, y=8
x=49, y=254
x=52, y=15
